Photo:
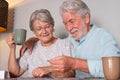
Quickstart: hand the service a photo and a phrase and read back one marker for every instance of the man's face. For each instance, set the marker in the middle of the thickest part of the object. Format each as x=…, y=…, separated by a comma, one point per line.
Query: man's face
x=75, y=25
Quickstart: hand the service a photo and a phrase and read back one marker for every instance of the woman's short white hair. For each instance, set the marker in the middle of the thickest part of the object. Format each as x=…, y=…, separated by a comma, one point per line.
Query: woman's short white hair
x=42, y=15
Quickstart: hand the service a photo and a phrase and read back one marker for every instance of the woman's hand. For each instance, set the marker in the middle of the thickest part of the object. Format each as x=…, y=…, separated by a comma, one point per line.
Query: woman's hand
x=41, y=71
x=10, y=40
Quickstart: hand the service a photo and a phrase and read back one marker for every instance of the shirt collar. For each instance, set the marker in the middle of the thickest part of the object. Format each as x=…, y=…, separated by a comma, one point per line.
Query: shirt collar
x=86, y=37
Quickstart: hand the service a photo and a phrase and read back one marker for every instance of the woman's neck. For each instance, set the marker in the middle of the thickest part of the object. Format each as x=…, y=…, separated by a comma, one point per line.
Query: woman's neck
x=52, y=41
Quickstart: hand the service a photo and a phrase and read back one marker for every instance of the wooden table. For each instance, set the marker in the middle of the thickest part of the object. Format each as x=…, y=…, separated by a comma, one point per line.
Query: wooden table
x=55, y=79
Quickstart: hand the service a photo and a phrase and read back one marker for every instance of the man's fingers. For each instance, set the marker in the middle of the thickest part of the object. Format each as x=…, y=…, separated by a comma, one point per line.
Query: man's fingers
x=56, y=59
x=31, y=48
x=22, y=50
x=41, y=75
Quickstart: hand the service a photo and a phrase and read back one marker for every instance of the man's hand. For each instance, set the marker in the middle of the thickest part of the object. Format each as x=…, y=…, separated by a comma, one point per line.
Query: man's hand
x=62, y=63
x=65, y=63
x=66, y=74
x=28, y=44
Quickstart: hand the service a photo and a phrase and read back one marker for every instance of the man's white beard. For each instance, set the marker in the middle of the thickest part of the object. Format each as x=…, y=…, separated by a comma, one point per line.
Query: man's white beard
x=82, y=33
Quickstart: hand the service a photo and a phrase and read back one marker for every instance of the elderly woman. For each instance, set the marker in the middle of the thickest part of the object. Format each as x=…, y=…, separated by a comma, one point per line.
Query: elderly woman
x=36, y=63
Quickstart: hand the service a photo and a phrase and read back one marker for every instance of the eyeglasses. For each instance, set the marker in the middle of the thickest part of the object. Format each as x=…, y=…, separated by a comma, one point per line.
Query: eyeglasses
x=40, y=28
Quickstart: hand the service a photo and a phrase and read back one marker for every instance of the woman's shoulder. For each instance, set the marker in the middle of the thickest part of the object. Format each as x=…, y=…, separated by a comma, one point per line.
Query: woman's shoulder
x=63, y=42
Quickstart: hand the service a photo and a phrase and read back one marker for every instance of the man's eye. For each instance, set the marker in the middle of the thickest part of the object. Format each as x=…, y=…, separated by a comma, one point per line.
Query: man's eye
x=65, y=23
x=72, y=21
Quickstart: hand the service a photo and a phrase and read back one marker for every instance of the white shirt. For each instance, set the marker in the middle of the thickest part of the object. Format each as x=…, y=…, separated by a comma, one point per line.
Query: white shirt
x=40, y=55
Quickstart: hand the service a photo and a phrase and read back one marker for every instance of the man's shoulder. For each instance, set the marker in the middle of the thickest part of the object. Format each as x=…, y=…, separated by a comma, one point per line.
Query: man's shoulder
x=99, y=29
x=102, y=31
x=104, y=35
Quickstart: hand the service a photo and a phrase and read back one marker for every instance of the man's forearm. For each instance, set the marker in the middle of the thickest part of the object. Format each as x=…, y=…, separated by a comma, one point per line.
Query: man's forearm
x=81, y=65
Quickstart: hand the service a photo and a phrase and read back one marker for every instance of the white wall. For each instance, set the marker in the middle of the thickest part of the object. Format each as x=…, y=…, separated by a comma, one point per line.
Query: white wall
x=105, y=13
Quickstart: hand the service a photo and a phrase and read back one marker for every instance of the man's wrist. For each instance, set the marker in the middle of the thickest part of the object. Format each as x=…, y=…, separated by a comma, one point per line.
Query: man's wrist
x=73, y=64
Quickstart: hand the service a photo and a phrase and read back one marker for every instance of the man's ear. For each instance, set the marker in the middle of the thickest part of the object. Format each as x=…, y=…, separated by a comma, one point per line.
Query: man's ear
x=53, y=29
x=87, y=18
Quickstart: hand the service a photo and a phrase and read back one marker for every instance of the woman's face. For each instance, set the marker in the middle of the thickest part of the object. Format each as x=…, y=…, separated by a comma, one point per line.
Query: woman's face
x=43, y=30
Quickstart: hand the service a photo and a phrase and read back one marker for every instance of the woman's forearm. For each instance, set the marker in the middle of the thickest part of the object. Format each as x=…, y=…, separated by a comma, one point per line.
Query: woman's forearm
x=13, y=65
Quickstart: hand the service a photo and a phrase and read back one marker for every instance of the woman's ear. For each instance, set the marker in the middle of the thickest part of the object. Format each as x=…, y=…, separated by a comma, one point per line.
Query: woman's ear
x=34, y=33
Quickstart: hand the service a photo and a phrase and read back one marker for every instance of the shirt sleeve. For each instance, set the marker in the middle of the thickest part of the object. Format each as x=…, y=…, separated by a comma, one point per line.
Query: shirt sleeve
x=108, y=48
x=23, y=60
x=95, y=68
